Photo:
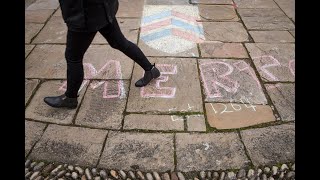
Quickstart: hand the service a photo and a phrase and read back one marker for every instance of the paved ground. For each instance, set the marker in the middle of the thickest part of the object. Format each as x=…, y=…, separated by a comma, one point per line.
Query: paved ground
x=225, y=98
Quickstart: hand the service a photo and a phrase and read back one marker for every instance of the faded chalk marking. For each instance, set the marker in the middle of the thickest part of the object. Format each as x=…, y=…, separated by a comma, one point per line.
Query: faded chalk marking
x=243, y=66
x=154, y=89
x=176, y=118
x=214, y=78
x=274, y=63
x=206, y=146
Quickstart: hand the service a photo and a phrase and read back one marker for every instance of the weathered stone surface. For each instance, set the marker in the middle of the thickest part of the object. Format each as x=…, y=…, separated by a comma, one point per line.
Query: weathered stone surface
x=293, y=33
x=39, y=110
x=265, y=19
x=228, y=80
x=33, y=132
x=38, y=16
x=283, y=97
x=27, y=3
x=153, y=122
x=225, y=32
x=72, y=145
x=212, y=151
x=103, y=106
x=127, y=8
x=275, y=62
x=100, y=62
x=211, y=1
x=143, y=151
x=234, y=115
x=271, y=36
x=166, y=2
x=255, y=4
x=270, y=145
x=288, y=6
x=217, y=13
x=31, y=30
x=196, y=123
x=43, y=4
x=171, y=94
x=223, y=50
x=30, y=86
x=170, y=31
x=27, y=49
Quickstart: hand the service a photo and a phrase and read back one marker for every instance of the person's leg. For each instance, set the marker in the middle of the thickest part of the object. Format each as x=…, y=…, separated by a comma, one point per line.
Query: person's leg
x=77, y=45
x=116, y=39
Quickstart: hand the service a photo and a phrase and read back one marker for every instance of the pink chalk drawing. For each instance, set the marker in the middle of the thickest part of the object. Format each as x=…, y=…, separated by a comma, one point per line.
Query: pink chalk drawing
x=90, y=72
x=215, y=75
x=274, y=63
x=243, y=66
x=292, y=66
x=154, y=89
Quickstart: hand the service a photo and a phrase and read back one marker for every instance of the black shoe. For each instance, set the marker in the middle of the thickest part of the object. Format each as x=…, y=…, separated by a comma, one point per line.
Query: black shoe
x=148, y=76
x=61, y=101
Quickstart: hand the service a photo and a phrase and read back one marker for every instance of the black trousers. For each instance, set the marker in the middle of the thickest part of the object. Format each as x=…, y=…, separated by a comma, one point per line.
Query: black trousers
x=78, y=43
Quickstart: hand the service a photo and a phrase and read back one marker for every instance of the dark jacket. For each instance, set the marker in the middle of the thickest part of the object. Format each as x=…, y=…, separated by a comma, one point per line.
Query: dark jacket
x=88, y=15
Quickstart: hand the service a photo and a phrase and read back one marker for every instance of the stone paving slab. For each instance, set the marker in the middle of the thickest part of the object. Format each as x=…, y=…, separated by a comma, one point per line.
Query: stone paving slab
x=288, y=6
x=38, y=16
x=230, y=80
x=154, y=122
x=169, y=92
x=272, y=36
x=293, y=33
x=31, y=30
x=73, y=145
x=223, y=50
x=211, y=1
x=100, y=62
x=30, y=86
x=283, y=97
x=255, y=4
x=166, y=2
x=44, y=4
x=33, y=132
x=225, y=32
x=103, y=106
x=127, y=8
x=275, y=62
x=40, y=111
x=143, y=151
x=265, y=19
x=212, y=151
x=270, y=145
x=170, y=30
x=196, y=123
x=27, y=49
x=235, y=115
x=58, y=12
x=217, y=13
x=55, y=31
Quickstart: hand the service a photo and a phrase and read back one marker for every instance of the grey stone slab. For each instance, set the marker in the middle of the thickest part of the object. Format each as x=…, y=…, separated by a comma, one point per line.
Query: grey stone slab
x=128, y=8
x=103, y=104
x=39, y=110
x=196, y=123
x=270, y=145
x=223, y=50
x=283, y=97
x=100, y=62
x=38, y=16
x=255, y=4
x=72, y=145
x=33, y=132
x=211, y=1
x=154, y=122
x=30, y=86
x=31, y=30
x=143, y=151
x=168, y=93
x=27, y=49
x=271, y=36
x=265, y=19
x=229, y=80
x=217, y=13
x=225, y=32
x=288, y=6
x=214, y=151
x=43, y=4
x=275, y=62
x=166, y=2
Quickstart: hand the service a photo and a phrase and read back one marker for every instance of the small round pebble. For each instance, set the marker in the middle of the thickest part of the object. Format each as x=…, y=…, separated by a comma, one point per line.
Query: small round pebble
x=97, y=178
x=149, y=176
x=103, y=174
x=259, y=171
x=165, y=176
x=74, y=175
x=231, y=175
x=61, y=173
x=79, y=169
x=156, y=175
x=180, y=176
x=202, y=175
x=94, y=171
x=70, y=167
x=271, y=178
x=274, y=170
x=209, y=174
x=250, y=173
x=281, y=175
x=290, y=175
x=222, y=175
x=215, y=175
x=131, y=174
x=34, y=175
x=266, y=170
x=284, y=167
x=123, y=174
x=27, y=163
x=114, y=174
x=140, y=175
x=241, y=173
x=293, y=167
x=39, y=166
x=264, y=177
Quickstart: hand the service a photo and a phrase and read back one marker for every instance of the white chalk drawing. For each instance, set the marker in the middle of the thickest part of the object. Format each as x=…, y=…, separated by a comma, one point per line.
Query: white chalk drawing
x=243, y=66
x=234, y=107
x=274, y=63
x=90, y=72
x=153, y=89
x=215, y=76
x=206, y=146
x=176, y=118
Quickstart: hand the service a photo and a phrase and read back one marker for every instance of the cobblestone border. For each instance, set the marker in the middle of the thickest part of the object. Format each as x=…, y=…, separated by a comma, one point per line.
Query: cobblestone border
x=40, y=170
